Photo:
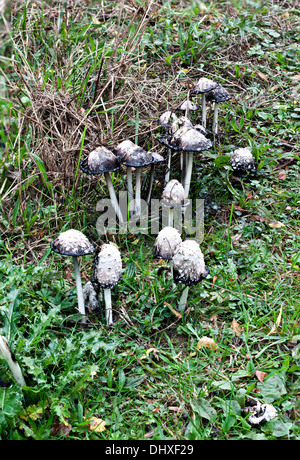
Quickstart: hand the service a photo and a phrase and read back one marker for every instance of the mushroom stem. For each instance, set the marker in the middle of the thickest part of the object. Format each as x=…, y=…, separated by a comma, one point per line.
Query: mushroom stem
x=80, y=297
x=188, y=176
x=171, y=272
x=215, y=122
x=170, y=217
x=7, y=354
x=108, y=307
x=183, y=299
x=138, y=191
x=113, y=197
x=167, y=176
x=151, y=178
x=203, y=110
x=129, y=186
x=183, y=167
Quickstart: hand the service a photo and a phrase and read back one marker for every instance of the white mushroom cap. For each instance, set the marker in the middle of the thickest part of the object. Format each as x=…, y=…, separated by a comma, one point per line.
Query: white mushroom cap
x=190, y=139
x=242, y=160
x=204, y=85
x=219, y=94
x=188, y=263
x=167, y=118
x=124, y=147
x=174, y=195
x=99, y=161
x=187, y=105
x=179, y=123
x=102, y=160
x=107, y=270
x=166, y=242
x=72, y=243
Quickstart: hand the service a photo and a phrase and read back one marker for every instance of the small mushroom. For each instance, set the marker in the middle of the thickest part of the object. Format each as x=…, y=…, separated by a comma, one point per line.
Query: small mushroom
x=8, y=355
x=169, y=121
x=173, y=196
x=103, y=161
x=187, y=106
x=242, y=161
x=74, y=243
x=90, y=297
x=217, y=95
x=156, y=158
x=188, y=268
x=165, y=244
x=189, y=140
x=166, y=119
x=107, y=272
x=203, y=86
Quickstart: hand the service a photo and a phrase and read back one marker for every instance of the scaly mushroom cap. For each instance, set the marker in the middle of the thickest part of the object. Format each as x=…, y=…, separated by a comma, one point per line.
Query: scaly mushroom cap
x=174, y=195
x=99, y=161
x=201, y=129
x=179, y=123
x=107, y=270
x=187, y=105
x=166, y=242
x=124, y=147
x=167, y=118
x=190, y=139
x=242, y=160
x=219, y=94
x=203, y=85
x=188, y=263
x=157, y=158
x=72, y=243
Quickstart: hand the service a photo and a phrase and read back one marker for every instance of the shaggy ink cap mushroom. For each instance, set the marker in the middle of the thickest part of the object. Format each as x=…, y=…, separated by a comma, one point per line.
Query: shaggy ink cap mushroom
x=107, y=272
x=173, y=195
x=156, y=158
x=242, y=160
x=203, y=85
x=167, y=118
x=103, y=161
x=166, y=242
x=188, y=263
x=190, y=140
x=187, y=106
x=74, y=243
x=100, y=161
x=219, y=94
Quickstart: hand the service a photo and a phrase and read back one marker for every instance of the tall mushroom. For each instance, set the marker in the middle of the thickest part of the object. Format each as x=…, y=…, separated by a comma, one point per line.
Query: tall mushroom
x=190, y=141
x=165, y=244
x=243, y=161
x=156, y=158
x=165, y=120
x=217, y=95
x=107, y=272
x=75, y=244
x=188, y=268
x=186, y=107
x=137, y=158
x=203, y=86
x=173, y=196
x=103, y=161
x=8, y=355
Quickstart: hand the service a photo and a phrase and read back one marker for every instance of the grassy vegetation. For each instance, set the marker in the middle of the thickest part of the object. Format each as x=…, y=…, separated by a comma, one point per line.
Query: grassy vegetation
x=77, y=76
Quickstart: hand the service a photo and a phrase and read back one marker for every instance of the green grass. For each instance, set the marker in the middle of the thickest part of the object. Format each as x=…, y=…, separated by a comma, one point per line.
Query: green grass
x=146, y=378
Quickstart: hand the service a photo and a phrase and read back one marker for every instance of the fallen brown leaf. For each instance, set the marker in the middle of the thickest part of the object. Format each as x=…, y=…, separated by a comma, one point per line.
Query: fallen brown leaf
x=282, y=175
x=206, y=342
x=96, y=424
x=276, y=224
x=260, y=375
x=236, y=327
